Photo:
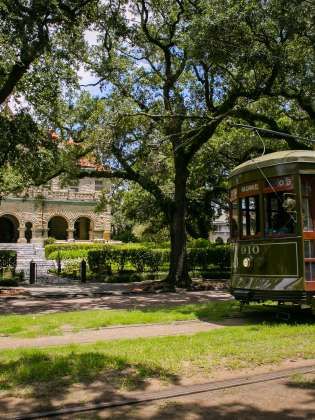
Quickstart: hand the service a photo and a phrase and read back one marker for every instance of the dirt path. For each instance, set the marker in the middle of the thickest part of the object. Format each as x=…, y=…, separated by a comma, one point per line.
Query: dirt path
x=31, y=305
x=114, y=333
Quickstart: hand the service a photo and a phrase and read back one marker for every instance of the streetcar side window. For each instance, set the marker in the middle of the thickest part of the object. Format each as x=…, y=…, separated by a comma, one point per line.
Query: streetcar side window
x=250, y=216
x=278, y=221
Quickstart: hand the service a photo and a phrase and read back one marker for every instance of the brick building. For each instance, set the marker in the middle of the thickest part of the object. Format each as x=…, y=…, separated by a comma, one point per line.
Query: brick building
x=65, y=213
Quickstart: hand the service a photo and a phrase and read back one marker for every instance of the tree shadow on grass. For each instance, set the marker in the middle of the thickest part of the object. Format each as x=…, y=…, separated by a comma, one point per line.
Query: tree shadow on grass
x=49, y=378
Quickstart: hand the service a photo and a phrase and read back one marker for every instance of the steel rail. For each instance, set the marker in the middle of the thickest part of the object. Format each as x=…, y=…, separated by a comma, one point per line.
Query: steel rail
x=178, y=391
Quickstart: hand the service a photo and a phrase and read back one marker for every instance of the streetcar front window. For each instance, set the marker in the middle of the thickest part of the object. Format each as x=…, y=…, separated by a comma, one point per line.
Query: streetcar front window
x=250, y=216
x=278, y=221
x=280, y=206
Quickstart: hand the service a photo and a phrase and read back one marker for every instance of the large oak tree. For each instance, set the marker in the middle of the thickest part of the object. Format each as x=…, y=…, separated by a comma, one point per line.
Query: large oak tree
x=179, y=71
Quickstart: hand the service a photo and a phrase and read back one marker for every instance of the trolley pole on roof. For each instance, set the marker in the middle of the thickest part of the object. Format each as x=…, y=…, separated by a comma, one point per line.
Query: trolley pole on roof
x=272, y=132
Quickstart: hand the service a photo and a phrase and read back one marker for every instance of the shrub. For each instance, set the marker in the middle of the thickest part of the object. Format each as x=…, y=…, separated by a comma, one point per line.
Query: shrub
x=49, y=249
x=71, y=268
x=118, y=256
x=106, y=258
x=218, y=255
x=68, y=254
x=199, y=243
x=49, y=241
x=156, y=258
x=102, y=261
x=8, y=261
x=138, y=258
x=8, y=282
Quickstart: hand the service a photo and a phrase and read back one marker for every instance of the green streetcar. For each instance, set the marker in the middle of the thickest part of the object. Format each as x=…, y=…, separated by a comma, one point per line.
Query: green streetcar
x=272, y=226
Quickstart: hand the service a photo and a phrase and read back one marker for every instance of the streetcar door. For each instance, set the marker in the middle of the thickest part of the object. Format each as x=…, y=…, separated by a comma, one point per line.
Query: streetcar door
x=308, y=223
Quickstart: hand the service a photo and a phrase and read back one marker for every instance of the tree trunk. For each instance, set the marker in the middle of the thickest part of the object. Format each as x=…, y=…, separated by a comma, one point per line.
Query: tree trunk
x=178, y=271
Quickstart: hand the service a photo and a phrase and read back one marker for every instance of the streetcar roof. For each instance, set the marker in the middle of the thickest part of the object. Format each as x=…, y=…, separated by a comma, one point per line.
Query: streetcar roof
x=276, y=158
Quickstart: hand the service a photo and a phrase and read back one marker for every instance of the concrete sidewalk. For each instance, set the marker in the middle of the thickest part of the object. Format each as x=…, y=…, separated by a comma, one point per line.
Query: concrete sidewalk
x=117, y=332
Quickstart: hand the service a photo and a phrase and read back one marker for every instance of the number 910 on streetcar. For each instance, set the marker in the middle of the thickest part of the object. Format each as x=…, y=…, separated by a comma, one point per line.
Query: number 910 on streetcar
x=272, y=228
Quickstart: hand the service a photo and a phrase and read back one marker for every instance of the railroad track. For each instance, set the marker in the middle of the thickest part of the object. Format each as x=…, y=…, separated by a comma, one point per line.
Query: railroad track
x=178, y=391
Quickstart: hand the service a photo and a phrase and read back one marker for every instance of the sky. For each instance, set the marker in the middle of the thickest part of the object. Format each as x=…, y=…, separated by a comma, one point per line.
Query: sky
x=86, y=77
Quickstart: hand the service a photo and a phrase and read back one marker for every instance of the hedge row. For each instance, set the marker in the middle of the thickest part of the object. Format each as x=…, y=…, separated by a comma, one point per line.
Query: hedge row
x=69, y=254
x=84, y=248
x=80, y=250
x=102, y=261
x=54, y=248
x=218, y=255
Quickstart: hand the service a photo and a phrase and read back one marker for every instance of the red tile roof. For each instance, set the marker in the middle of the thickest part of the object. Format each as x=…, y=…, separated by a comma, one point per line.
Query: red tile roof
x=84, y=162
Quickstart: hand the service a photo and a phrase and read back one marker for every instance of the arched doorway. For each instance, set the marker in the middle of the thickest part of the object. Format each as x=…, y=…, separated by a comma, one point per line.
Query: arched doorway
x=58, y=228
x=9, y=229
x=82, y=229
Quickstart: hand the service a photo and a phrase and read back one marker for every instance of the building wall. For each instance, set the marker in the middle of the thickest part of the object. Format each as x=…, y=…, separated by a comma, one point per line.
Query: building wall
x=221, y=228
x=40, y=205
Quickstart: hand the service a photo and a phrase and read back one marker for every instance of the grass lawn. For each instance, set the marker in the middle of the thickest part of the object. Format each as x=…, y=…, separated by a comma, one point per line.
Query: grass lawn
x=129, y=364
x=55, y=324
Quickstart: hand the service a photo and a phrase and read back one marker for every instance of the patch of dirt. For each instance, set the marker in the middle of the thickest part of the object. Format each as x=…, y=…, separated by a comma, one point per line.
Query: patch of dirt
x=111, y=385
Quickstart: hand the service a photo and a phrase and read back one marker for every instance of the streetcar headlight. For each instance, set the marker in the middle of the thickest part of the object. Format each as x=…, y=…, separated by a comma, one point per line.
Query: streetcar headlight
x=247, y=262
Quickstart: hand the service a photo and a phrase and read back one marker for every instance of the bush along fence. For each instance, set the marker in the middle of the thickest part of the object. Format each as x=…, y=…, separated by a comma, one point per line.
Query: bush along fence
x=105, y=260
x=77, y=250
x=153, y=260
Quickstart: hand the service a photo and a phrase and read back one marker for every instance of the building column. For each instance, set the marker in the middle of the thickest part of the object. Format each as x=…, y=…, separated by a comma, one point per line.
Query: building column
x=45, y=233
x=70, y=235
x=38, y=234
